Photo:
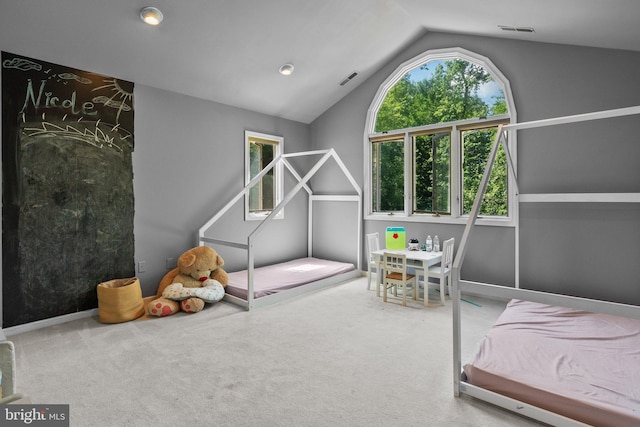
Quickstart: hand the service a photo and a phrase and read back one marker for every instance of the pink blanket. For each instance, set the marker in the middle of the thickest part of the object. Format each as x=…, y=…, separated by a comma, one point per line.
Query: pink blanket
x=582, y=365
x=275, y=278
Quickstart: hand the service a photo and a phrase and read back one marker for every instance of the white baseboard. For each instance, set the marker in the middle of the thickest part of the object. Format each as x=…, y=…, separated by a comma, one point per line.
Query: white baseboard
x=39, y=324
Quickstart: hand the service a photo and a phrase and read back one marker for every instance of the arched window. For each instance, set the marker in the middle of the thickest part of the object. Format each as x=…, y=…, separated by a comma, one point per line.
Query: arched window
x=428, y=135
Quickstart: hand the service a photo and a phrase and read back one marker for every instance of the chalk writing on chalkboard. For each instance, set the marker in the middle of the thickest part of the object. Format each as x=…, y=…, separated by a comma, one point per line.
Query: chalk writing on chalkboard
x=67, y=220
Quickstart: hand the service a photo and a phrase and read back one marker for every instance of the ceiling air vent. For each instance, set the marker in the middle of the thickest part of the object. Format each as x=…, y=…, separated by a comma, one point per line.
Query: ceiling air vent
x=516, y=29
x=349, y=78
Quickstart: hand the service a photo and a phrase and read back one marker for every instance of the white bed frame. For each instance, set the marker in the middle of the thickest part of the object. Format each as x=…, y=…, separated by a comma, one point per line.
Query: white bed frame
x=467, y=287
x=251, y=301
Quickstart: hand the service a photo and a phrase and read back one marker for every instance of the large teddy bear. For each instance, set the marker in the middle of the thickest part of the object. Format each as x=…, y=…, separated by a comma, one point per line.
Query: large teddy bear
x=197, y=279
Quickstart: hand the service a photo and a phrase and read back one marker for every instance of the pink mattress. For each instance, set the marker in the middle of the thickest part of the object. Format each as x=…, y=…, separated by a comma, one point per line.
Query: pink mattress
x=271, y=279
x=582, y=365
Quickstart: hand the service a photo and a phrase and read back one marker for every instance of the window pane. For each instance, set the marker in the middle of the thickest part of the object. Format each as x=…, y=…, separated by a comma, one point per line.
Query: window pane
x=476, y=147
x=388, y=176
x=440, y=91
x=432, y=171
x=261, y=195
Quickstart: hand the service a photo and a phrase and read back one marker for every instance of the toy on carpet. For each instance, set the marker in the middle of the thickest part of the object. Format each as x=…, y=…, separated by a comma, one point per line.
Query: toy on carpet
x=198, y=279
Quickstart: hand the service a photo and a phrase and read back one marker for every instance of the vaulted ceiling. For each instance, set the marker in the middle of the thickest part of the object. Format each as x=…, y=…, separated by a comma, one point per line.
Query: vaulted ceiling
x=229, y=51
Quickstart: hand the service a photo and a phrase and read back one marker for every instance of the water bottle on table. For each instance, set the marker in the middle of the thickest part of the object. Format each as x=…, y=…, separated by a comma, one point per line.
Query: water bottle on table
x=429, y=244
x=436, y=244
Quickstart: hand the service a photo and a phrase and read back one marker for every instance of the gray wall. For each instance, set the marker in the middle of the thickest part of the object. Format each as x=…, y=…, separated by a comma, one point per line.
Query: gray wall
x=573, y=249
x=188, y=163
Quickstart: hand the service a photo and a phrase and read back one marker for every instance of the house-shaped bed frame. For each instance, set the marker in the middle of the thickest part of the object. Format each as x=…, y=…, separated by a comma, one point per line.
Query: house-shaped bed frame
x=460, y=286
x=356, y=198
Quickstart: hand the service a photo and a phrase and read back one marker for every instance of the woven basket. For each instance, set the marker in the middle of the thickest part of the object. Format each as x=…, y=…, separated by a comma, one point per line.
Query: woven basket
x=120, y=300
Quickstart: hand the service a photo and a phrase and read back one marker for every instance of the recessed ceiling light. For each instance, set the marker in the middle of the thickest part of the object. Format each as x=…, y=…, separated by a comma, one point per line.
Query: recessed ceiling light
x=151, y=15
x=286, y=69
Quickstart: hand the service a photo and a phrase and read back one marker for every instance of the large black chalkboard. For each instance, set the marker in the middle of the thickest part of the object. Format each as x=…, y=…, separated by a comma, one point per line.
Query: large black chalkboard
x=67, y=200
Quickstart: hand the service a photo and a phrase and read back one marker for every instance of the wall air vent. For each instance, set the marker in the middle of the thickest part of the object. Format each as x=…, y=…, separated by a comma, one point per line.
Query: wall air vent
x=516, y=29
x=349, y=78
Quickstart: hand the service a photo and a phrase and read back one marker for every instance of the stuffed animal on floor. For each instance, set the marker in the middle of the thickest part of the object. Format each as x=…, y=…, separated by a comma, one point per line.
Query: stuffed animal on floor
x=196, y=280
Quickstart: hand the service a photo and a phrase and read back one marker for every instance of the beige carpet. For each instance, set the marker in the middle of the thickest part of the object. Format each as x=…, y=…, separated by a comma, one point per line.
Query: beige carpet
x=336, y=357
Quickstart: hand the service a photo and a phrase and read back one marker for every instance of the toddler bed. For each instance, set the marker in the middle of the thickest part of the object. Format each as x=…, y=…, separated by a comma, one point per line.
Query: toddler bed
x=563, y=360
x=275, y=278
x=258, y=286
x=579, y=364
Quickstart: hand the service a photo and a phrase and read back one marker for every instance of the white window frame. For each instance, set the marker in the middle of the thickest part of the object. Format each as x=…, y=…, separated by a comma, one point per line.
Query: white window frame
x=278, y=175
x=456, y=196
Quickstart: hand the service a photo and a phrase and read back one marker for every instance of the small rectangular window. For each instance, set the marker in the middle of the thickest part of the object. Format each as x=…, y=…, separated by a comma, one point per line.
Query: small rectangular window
x=432, y=173
x=388, y=175
x=263, y=196
x=476, y=145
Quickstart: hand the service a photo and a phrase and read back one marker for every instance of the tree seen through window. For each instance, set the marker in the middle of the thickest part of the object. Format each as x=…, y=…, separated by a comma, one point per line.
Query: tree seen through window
x=452, y=93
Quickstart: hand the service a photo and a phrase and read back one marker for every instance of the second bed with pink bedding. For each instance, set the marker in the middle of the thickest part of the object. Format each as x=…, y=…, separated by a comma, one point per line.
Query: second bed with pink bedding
x=582, y=365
